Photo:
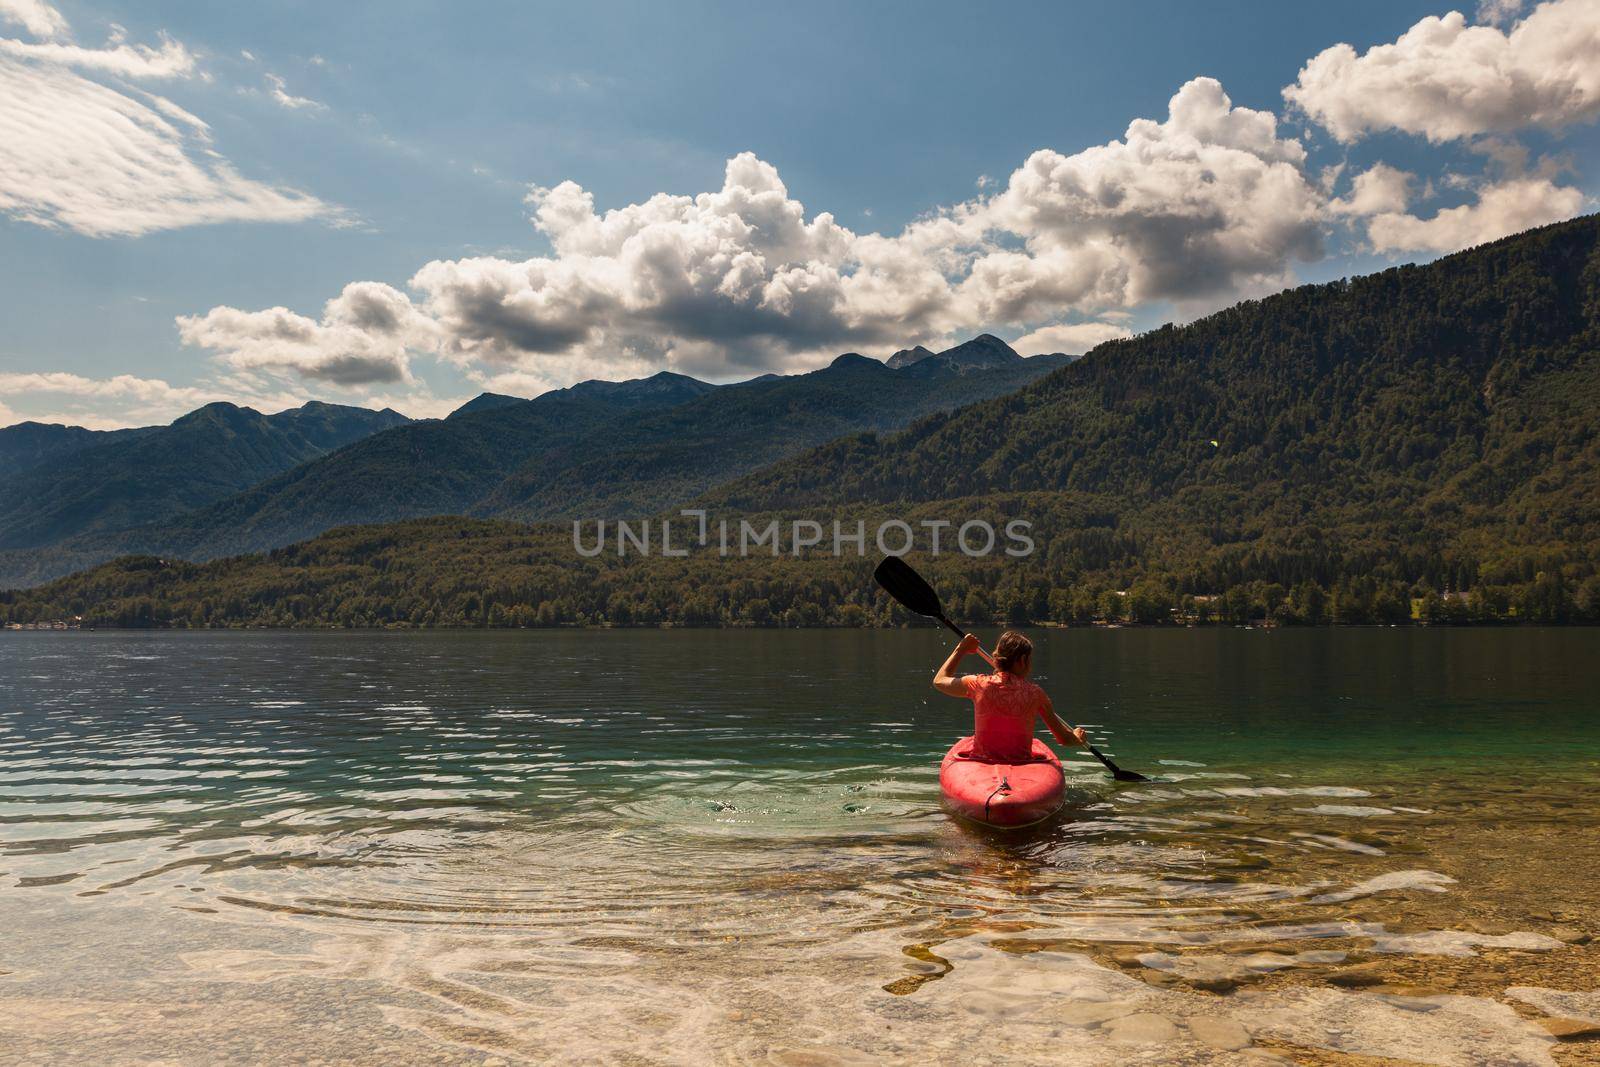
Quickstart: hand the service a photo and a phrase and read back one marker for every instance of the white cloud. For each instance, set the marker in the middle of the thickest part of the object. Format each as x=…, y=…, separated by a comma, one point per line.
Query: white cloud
x=362, y=337
x=1381, y=189
x=283, y=98
x=35, y=16
x=1445, y=80
x=719, y=283
x=105, y=159
x=79, y=155
x=1196, y=209
x=1508, y=198
x=118, y=401
x=1074, y=338
x=1500, y=209
x=171, y=60
x=122, y=386
x=128, y=400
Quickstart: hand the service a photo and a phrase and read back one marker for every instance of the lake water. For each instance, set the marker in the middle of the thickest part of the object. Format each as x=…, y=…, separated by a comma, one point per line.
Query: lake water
x=727, y=847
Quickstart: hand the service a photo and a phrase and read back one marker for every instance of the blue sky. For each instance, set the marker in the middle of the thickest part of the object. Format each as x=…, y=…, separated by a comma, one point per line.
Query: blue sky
x=367, y=169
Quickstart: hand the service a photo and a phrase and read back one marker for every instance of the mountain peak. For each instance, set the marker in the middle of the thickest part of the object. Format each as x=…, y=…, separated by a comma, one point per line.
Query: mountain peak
x=217, y=413
x=673, y=378
x=662, y=384
x=486, y=402
x=907, y=356
x=317, y=419
x=984, y=350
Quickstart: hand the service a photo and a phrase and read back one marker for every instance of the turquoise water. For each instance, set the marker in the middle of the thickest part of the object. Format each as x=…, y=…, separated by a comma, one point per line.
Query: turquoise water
x=703, y=846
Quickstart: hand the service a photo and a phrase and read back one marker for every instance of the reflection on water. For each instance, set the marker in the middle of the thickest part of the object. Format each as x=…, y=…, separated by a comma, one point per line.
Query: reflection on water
x=689, y=847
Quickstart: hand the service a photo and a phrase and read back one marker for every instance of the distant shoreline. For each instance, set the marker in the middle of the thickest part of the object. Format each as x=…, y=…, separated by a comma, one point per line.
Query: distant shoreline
x=1486, y=624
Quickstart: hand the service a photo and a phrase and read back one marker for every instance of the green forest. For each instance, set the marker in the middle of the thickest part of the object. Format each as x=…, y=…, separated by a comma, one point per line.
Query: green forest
x=1416, y=446
x=455, y=572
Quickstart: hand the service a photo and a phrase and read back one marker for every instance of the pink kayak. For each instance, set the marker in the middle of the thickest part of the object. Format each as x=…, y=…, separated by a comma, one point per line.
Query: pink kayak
x=1002, y=794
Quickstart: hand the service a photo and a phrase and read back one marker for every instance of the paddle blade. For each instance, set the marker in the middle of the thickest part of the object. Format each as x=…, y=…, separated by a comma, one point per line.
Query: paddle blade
x=1117, y=773
x=907, y=586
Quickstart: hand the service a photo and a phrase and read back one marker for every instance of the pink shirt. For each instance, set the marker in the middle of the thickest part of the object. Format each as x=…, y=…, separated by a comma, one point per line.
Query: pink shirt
x=1003, y=711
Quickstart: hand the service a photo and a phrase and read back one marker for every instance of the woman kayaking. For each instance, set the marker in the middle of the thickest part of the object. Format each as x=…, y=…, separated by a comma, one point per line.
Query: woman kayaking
x=1002, y=775
x=1005, y=703
x=908, y=588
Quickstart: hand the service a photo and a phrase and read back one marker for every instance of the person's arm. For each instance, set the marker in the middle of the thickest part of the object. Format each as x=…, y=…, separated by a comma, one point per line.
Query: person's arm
x=1071, y=736
x=945, y=679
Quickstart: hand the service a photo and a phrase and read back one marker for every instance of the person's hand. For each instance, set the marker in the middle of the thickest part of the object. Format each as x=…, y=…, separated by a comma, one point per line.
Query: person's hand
x=968, y=645
x=1079, y=736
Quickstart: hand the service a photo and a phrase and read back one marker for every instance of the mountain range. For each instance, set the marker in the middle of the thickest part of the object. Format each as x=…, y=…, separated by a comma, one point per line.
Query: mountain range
x=26, y=445
x=225, y=480
x=1422, y=443
x=108, y=481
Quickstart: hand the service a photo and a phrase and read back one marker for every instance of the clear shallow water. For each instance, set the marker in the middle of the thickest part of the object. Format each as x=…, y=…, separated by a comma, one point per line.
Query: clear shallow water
x=688, y=847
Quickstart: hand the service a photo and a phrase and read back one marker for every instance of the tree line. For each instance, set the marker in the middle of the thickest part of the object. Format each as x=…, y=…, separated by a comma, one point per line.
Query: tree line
x=464, y=573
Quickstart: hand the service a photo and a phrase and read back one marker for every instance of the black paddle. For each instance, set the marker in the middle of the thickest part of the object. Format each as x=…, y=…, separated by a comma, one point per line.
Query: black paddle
x=918, y=597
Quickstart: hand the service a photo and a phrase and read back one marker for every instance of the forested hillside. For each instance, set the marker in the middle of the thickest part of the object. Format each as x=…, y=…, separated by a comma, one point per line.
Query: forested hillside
x=1436, y=425
x=422, y=468
x=131, y=477
x=1480, y=367
x=598, y=448
x=642, y=465
x=1421, y=444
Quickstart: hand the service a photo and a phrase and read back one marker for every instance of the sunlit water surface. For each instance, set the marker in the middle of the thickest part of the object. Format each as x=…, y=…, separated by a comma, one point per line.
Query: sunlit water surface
x=727, y=847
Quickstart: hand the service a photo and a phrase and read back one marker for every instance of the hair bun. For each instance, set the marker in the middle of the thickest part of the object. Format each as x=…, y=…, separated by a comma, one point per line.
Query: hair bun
x=1011, y=649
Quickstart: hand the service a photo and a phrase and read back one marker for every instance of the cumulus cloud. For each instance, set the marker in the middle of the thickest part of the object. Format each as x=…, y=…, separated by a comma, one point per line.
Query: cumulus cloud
x=719, y=283
x=1446, y=80
x=1379, y=190
x=1500, y=209
x=1507, y=199
x=1209, y=203
x=35, y=16
x=1073, y=338
x=1200, y=208
x=362, y=337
